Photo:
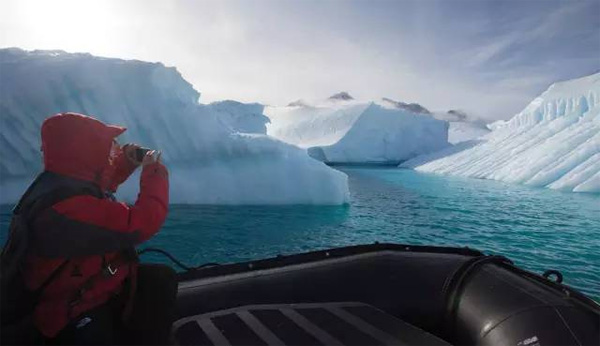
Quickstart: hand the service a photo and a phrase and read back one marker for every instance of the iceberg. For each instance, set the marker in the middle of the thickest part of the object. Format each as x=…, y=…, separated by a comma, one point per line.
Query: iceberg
x=554, y=142
x=217, y=153
x=342, y=130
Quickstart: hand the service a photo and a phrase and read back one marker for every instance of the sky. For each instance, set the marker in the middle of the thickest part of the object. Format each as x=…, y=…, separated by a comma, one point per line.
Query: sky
x=489, y=58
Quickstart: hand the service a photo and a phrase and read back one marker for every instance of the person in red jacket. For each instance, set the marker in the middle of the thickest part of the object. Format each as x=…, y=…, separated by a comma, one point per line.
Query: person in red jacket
x=81, y=248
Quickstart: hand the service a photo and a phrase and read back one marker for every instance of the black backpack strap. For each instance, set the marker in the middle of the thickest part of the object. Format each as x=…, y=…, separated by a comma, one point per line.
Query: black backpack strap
x=21, y=208
x=13, y=253
x=52, y=189
x=45, y=191
x=26, y=196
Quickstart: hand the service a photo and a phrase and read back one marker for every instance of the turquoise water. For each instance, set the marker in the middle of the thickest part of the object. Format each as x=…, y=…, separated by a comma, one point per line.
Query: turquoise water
x=537, y=228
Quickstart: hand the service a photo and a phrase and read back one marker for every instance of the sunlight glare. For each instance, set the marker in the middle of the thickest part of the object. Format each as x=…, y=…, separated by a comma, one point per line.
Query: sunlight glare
x=71, y=25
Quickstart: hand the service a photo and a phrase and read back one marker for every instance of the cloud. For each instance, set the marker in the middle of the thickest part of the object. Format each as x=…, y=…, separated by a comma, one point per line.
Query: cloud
x=482, y=55
x=490, y=58
x=515, y=34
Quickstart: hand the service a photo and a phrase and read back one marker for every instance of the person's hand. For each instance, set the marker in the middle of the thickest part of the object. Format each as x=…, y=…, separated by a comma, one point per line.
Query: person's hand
x=130, y=153
x=151, y=157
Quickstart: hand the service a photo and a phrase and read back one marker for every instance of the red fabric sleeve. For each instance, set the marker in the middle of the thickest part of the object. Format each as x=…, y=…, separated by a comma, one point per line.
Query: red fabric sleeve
x=124, y=168
x=146, y=216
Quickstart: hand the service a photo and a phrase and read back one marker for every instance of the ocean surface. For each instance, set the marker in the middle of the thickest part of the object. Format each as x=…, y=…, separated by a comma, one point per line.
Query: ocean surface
x=537, y=228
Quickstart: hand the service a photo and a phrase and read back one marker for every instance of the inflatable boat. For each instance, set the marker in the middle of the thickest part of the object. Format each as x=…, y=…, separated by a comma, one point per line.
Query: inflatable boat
x=382, y=294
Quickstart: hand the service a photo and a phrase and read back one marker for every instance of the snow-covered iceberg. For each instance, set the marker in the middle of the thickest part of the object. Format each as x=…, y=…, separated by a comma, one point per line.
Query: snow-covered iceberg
x=554, y=142
x=211, y=156
x=342, y=130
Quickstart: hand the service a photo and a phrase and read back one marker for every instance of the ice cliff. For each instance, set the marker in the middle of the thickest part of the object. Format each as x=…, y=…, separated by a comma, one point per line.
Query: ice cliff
x=217, y=153
x=554, y=142
x=350, y=131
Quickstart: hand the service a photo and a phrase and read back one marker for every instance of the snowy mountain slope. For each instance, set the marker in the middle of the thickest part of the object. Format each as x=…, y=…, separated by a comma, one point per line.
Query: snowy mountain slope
x=210, y=160
x=553, y=142
x=357, y=132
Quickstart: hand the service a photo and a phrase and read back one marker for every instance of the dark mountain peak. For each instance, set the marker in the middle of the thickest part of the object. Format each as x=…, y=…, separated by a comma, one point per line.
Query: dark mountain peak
x=411, y=107
x=460, y=115
x=298, y=103
x=344, y=96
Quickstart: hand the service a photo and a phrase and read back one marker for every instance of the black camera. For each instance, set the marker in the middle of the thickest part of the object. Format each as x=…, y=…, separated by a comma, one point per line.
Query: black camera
x=140, y=153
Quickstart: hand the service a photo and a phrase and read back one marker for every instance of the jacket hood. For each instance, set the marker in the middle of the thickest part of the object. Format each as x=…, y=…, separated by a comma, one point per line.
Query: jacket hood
x=78, y=146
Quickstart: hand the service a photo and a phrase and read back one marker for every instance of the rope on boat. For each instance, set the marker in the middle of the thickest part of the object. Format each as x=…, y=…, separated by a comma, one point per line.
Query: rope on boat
x=175, y=260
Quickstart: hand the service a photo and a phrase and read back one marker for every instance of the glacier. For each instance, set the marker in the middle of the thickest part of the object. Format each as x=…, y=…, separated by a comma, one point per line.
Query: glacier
x=342, y=130
x=554, y=142
x=217, y=153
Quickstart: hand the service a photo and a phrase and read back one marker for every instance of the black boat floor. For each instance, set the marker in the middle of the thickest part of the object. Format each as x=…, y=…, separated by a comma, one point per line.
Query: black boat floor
x=300, y=324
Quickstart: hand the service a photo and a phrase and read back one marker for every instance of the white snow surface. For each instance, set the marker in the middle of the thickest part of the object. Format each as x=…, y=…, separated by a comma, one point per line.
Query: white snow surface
x=357, y=132
x=554, y=142
x=211, y=156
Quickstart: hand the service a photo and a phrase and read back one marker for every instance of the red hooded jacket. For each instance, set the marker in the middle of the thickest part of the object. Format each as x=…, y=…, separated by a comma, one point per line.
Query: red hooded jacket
x=95, y=229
